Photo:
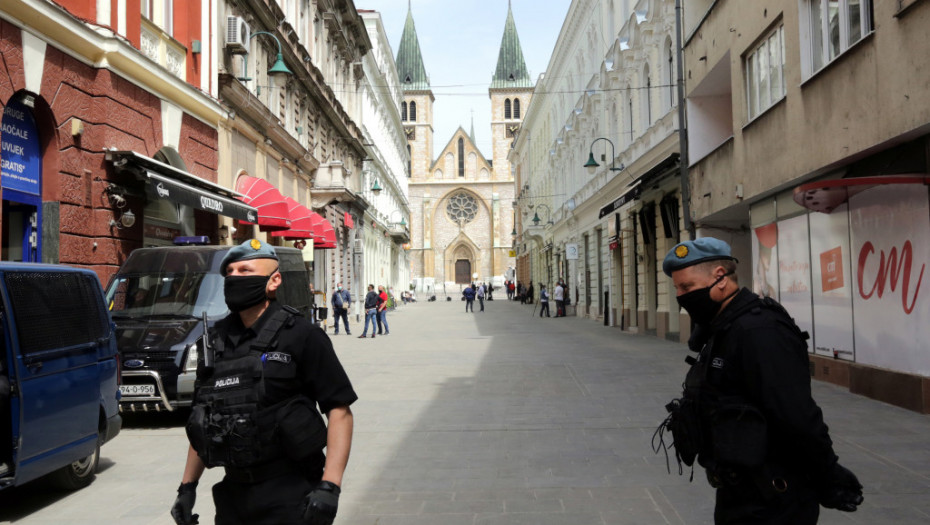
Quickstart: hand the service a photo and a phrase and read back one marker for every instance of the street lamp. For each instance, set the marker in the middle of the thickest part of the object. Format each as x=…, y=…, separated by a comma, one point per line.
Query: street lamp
x=592, y=164
x=536, y=219
x=403, y=222
x=278, y=69
x=376, y=188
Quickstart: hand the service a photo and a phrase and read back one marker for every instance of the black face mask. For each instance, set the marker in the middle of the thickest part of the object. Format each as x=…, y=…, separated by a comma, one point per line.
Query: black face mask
x=245, y=291
x=699, y=304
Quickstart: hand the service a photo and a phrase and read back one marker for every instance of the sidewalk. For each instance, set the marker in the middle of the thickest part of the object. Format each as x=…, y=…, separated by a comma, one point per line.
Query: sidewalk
x=503, y=418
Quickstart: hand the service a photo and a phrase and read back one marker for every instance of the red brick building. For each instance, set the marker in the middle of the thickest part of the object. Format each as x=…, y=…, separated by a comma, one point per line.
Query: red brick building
x=109, y=132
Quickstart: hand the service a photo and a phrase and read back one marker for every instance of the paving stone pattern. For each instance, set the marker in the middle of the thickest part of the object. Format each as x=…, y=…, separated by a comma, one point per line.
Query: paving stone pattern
x=503, y=418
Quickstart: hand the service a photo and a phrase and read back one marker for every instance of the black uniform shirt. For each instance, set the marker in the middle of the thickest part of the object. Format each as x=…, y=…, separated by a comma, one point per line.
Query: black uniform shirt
x=760, y=358
x=303, y=361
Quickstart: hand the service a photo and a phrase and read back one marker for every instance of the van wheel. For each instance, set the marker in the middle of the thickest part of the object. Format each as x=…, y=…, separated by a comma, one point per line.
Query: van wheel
x=79, y=474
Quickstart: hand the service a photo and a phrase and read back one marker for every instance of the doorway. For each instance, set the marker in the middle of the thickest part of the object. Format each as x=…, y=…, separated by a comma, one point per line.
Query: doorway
x=463, y=271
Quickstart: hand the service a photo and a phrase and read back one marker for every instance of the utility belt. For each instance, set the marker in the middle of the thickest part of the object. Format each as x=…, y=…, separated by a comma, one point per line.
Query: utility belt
x=260, y=473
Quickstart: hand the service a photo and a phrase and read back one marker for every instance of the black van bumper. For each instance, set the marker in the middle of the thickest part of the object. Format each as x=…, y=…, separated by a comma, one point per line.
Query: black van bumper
x=114, y=424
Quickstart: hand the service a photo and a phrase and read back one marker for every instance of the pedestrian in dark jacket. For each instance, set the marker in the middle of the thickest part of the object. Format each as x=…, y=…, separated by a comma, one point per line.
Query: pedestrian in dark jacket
x=469, y=294
x=759, y=434
x=371, y=311
x=341, y=300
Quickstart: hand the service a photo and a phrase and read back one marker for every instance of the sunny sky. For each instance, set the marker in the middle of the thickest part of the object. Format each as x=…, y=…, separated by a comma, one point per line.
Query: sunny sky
x=460, y=40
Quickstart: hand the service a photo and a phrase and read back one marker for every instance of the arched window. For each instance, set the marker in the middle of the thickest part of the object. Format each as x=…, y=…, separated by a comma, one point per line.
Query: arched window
x=461, y=157
x=516, y=108
x=403, y=111
x=507, y=108
x=413, y=111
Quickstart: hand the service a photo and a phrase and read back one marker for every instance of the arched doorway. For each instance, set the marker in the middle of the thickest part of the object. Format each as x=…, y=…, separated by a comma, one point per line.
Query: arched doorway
x=462, y=271
x=21, y=179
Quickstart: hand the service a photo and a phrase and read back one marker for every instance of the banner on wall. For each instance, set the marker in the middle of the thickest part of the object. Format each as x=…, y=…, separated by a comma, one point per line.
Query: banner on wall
x=764, y=257
x=794, y=271
x=21, y=164
x=831, y=289
x=890, y=253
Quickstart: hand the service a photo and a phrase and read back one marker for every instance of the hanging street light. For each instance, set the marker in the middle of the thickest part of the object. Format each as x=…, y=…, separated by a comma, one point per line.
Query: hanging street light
x=592, y=164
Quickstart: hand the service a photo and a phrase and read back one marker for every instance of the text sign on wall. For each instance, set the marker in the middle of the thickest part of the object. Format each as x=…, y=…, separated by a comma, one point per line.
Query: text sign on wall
x=890, y=253
x=20, y=162
x=831, y=292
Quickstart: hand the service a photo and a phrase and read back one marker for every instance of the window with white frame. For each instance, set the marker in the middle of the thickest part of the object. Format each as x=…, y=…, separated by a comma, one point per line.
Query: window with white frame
x=765, y=73
x=833, y=26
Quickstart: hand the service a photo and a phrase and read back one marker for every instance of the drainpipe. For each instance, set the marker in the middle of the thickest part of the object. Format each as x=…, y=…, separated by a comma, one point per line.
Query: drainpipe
x=683, y=129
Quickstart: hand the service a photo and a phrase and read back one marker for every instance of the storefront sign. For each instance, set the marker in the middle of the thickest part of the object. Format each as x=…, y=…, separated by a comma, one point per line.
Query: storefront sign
x=890, y=254
x=832, y=293
x=794, y=270
x=21, y=164
x=162, y=187
x=571, y=251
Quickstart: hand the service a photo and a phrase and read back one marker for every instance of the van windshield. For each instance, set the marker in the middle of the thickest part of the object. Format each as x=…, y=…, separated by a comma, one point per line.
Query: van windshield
x=169, y=295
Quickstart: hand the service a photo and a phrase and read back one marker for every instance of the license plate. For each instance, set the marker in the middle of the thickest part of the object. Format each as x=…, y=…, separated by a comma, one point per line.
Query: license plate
x=137, y=390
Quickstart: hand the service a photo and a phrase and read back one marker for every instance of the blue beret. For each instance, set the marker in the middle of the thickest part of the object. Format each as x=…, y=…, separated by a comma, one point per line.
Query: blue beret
x=252, y=249
x=689, y=253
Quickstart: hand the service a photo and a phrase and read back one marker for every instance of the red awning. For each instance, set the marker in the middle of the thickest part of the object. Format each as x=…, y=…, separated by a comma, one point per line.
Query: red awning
x=301, y=222
x=272, y=208
x=348, y=220
x=825, y=196
x=324, y=231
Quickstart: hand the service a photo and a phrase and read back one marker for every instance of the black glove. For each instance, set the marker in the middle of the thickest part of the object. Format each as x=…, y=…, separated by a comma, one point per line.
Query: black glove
x=842, y=490
x=184, y=504
x=321, y=503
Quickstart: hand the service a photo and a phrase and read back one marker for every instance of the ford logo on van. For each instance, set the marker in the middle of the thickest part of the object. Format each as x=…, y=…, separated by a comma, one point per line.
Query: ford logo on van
x=133, y=363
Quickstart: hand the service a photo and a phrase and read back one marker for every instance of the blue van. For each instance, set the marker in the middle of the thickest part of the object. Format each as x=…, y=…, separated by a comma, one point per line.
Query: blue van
x=59, y=392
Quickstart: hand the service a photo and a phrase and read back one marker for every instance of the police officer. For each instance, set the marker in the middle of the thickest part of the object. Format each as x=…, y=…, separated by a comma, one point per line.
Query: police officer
x=255, y=407
x=747, y=412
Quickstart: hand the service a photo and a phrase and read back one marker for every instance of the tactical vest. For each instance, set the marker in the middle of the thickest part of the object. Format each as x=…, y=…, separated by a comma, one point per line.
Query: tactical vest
x=720, y=429
x=230, y=427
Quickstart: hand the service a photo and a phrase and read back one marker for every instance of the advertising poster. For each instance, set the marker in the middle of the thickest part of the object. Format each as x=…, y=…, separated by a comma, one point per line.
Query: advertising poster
x=831, y=288
x=764, y=258
x=794, y=271
x=21, y=166
x=890, y=253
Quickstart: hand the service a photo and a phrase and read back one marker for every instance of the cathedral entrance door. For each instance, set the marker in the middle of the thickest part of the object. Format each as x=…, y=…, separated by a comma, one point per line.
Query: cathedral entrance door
x=463, y=271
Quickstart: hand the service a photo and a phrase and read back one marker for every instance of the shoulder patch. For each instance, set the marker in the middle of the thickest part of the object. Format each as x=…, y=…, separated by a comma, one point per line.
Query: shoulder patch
x=280, y=357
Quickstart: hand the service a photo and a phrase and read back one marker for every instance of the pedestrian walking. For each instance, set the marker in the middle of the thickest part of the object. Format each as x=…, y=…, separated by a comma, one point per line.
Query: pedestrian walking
x=529, y=293
x=490, y=291
x=559, y=297
x=480, y=294
x=510, y=290
x=341, y=301
x=371, y=311
x=382, y=310
x=543, y=300
x=469, y=295
x=264, y=429
x=747, y=414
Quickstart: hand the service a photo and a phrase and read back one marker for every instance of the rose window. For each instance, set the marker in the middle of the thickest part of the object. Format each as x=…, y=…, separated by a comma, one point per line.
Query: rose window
x=462, y=208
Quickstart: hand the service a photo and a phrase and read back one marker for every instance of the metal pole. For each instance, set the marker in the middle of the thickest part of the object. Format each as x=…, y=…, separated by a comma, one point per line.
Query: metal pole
x=683, y=129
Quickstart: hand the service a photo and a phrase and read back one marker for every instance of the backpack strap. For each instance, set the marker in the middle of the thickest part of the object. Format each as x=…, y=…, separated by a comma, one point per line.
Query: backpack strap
x=268, y=336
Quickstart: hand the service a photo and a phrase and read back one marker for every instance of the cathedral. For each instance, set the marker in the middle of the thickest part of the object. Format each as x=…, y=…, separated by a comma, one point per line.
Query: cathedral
x=462, y=202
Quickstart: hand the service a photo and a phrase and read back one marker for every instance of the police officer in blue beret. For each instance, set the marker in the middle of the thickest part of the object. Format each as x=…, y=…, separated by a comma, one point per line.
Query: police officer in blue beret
x=746, y=414
x=263, y=372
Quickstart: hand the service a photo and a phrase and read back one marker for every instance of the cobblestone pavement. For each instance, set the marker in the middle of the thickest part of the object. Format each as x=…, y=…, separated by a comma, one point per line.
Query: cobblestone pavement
x=504, y=418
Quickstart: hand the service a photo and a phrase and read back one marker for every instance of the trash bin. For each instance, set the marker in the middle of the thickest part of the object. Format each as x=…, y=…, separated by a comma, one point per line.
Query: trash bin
x=321, y=313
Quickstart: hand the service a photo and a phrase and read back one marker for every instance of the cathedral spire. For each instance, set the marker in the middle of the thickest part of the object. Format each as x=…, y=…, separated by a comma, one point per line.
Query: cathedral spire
x=409, y=59
x=472, y=134
x=511, y=68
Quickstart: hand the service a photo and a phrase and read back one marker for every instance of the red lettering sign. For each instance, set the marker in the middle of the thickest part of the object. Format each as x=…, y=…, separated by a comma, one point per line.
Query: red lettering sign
x=891, y=267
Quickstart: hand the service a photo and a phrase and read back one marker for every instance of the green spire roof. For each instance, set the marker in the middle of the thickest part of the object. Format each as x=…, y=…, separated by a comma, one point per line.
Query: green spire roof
x=511, y=68
x=409, y=60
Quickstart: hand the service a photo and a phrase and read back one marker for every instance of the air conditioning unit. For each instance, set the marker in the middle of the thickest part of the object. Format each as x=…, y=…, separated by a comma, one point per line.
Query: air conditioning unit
x=237, y=35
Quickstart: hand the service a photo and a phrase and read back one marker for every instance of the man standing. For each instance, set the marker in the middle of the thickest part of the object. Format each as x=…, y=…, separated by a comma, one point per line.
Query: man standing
x=264, y=429
x=763, y=441
x=341, y=302
x=559, y=297
x=371, y=311
x=543, y=300
x=469, y=294
x=480, y=295
x=382, y=310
